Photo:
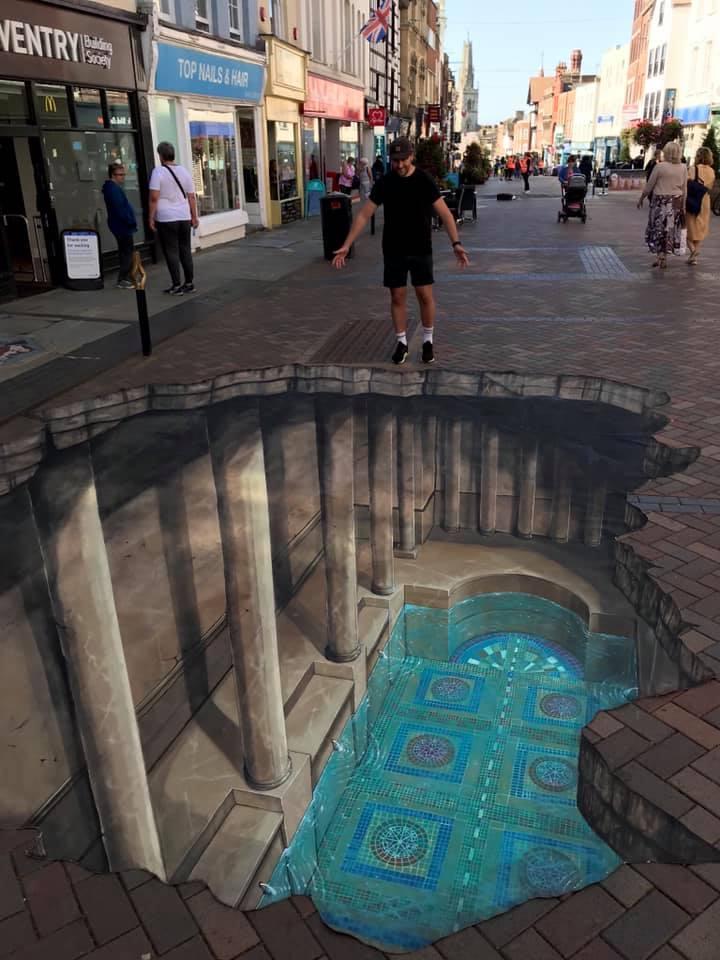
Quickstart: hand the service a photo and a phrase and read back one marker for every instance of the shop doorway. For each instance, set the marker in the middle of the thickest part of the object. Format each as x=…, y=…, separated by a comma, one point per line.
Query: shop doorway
x=249, y=163
x=25, y=268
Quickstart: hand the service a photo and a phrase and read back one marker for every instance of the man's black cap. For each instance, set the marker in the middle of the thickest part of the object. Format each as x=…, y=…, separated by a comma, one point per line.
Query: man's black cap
x=401, y=149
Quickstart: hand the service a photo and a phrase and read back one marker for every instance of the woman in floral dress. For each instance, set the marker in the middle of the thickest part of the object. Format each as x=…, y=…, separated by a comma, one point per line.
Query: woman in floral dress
x=667, y=189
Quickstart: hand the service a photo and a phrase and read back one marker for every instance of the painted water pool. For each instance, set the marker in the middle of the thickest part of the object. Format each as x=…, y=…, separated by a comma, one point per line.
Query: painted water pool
x=451, y=795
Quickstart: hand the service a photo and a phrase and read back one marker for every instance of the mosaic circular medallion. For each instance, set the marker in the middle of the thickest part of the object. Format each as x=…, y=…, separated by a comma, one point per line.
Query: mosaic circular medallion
x=549, y=872
x=399, y=843
x=552, y=773
x=452, y=689
x=560, y=706
x=429, y=750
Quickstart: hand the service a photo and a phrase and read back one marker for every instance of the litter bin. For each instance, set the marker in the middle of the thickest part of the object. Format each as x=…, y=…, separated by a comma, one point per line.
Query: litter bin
x=335, y=219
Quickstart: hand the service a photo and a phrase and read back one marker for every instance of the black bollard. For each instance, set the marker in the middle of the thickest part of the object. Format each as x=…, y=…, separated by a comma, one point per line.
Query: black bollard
x=144, y=321
x=372, y=225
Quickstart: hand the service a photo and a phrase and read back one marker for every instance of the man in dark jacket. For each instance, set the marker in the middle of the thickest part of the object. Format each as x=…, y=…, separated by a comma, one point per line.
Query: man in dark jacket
x=121, y=220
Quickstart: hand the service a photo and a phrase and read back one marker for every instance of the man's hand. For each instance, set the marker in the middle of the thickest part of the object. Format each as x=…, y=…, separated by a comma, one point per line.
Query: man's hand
x=195, y=223
x=640, y=203
x=461, y=257
x=340, y=257
x=151, y=224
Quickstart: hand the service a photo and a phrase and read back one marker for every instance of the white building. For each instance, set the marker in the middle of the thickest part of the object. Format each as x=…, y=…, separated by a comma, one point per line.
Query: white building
x=698, y=99
x=611, y=97
x=665, y=69
x=338, y=80
x=584, y=117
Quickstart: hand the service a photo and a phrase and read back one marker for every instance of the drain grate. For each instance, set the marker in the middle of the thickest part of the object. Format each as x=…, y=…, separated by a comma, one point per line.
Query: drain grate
x=367, y=341
x=603, y=262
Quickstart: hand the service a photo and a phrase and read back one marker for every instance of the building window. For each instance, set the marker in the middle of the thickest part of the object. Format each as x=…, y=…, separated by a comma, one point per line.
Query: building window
x=275, y=14
x=14, y=107
x=347, y=38
x=236, y=21
x=283, y=161
x=708, y=64
x=317, y=31
x=661, y=13
x=663, y=52
x=202, y=15
x=167, y=9
x=214, y=161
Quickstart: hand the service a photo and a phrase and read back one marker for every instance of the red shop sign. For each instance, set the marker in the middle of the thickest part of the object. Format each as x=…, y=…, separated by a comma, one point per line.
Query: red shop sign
x=376, y=116
x=336, y=101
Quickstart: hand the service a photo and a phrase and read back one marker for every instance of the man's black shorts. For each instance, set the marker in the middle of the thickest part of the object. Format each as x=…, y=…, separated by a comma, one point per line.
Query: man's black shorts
x=420, y=269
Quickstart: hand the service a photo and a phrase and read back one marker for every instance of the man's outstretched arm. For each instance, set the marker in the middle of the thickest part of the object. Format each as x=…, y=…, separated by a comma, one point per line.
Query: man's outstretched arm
x=448, y=221
x=359, y=224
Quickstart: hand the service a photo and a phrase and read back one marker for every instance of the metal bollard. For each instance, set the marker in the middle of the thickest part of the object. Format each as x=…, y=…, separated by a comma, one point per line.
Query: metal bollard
x=372, y=225
x=139, y=278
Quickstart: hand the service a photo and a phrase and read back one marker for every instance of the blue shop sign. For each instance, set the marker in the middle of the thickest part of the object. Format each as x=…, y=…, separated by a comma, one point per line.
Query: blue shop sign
x=699, y=114
x=189, y=70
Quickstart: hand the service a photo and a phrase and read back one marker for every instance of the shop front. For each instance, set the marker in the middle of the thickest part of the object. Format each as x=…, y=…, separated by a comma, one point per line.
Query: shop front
x=206, y=100
x=285, y=94
x=68, y=107
x=333, y=128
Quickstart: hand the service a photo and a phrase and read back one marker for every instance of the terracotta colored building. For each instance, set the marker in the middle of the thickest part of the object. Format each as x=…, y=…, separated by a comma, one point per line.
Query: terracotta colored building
x=637, y=61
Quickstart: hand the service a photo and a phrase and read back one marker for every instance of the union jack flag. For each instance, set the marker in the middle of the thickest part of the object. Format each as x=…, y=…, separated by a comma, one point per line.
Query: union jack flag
x=378, y=26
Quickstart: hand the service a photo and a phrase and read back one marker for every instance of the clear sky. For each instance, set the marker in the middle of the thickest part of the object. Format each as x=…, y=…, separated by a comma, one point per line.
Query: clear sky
x=509, y=40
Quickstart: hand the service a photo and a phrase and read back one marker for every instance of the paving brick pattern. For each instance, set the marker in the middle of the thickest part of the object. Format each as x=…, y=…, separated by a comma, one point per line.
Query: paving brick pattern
x=659, y=332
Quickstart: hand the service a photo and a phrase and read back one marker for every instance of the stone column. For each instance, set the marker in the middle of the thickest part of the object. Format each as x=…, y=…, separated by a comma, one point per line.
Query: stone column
x=429, y=455
x=528, y=489
x=238, y=463
x=380, y=454
x=489, y=478
x=71, y=535
x=406, y=485
x=595, y=513
x=560, y=523
x=337, y=505
x=453, y=438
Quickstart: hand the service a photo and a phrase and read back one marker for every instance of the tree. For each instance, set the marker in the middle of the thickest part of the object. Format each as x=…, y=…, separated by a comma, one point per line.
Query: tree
x=476, y=164
x=670, y=130
x=711, y=143
x=625, y=137
x=430, y=157
x=645, y=134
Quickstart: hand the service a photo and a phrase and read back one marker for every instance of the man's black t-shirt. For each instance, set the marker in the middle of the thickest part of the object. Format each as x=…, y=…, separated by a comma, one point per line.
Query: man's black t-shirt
x=408, y=213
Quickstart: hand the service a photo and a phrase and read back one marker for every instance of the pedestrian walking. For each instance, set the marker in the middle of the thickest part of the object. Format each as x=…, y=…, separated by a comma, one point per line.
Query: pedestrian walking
x=667, y=189
x=657, y=157
x=410, y=198
x=509, y=168
x=378, y=169
x=524, y=164
x=364, y=179
x=567, y=170
x=173, y=214
x=347, y=176
x=697, y=214
x=586, y=168
x=121, y=221
x=517, y=168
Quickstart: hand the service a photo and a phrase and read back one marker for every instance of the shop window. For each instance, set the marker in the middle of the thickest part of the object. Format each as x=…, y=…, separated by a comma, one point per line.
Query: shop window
x=283, y=161
x=202, y=15
x=214, y=161
x=165, y=121
x=311, y=149
x=349, y=141
x=248, y=157
x=52, y=105
x=119, y=112
x=88, y=108
x=77, y=168
x=14, y=106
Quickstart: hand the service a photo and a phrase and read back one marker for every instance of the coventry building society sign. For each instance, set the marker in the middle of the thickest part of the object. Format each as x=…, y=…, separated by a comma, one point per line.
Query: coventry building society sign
x=51, y=43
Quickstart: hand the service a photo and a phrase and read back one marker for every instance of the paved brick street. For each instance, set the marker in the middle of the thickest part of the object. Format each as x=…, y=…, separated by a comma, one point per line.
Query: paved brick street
x=540, y=298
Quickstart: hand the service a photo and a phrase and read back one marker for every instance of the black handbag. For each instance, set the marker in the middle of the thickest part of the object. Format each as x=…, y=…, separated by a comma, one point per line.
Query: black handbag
x=696, y=191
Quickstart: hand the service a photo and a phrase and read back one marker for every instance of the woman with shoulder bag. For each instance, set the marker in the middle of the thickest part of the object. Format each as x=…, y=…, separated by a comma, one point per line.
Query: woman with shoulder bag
x=701, y=178
x=347, y=176
x=667, y=189
x=173, y=213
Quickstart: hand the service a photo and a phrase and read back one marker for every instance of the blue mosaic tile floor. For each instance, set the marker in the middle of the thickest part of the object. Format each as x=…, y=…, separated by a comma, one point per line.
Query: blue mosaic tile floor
x=458, y=800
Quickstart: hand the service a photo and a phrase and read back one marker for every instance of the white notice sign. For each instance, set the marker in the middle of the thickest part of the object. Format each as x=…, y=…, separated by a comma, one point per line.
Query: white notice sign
x=82, y=254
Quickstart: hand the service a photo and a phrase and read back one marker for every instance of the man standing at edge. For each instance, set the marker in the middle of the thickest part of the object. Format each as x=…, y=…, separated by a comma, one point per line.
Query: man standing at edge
x=410, y=196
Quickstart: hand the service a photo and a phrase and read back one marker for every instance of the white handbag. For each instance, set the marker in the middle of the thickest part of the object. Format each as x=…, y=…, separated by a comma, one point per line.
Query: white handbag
x=682, y=250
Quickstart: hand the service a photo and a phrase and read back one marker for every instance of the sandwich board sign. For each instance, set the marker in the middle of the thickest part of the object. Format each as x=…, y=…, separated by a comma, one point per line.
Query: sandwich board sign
x=81, y=250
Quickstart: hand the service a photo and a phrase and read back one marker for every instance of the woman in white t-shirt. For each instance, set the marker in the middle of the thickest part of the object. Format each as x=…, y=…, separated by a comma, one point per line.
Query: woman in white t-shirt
x=173, y=212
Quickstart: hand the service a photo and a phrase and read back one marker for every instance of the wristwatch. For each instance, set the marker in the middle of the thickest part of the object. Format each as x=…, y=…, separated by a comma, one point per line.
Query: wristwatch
x=458, y=243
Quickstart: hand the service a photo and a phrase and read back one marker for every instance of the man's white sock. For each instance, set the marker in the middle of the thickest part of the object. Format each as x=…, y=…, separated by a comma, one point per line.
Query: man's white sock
x=427, y=334
x=402, y=338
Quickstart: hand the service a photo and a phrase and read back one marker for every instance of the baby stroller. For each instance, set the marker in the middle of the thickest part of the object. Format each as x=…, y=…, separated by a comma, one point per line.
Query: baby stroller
x=573, y=199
